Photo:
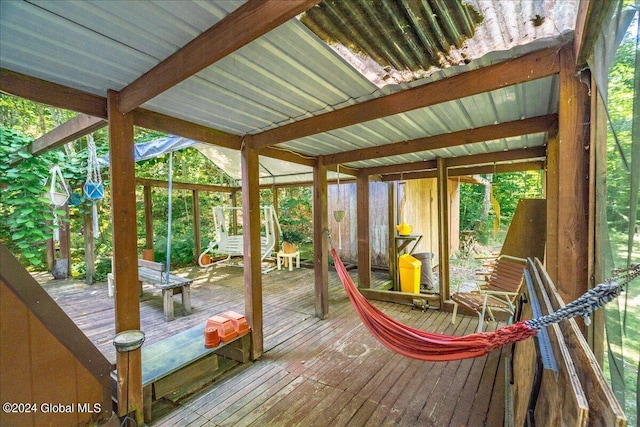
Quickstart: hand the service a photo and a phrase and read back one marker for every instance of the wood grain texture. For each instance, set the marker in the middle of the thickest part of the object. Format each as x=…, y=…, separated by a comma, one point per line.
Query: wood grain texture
x=604, y=409
x=251, y=234
x=573, y=184
x=341, y=372
x=363, y=220
x=321, y=245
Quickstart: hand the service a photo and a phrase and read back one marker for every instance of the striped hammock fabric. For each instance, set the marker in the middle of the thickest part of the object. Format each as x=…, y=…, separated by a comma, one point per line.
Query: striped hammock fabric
x=434, y=347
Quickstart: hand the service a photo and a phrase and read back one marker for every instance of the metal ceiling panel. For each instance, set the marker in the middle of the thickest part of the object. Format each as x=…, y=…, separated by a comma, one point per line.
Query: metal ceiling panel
x=98, y=45
x=287, y=75
x=267, y=83
x=531, y=99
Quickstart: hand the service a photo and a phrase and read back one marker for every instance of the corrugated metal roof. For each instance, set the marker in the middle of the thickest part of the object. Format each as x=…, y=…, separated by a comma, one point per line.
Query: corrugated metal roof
x=288, y=74
x=404, y=38
x=401, y=41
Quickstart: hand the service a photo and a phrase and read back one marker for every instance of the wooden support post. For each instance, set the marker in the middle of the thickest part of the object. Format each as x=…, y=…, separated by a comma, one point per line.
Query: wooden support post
x=443, y=230
x=89, y=249
x=393, y=220
x=148, y=217
x=551, y=194
x=364, y=247
x=125, y=265
x=320, y=243
x=65, y=238
x=252, y=249
x=51, y=250
x=197, y=242
x=573, y=180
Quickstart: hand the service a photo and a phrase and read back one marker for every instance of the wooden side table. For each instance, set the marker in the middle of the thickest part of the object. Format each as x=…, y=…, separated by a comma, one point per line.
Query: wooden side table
x=288, y=259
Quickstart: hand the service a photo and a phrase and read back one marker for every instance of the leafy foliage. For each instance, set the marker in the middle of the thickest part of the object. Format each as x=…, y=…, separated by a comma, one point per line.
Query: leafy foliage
x=23, y=207
x=508, y=189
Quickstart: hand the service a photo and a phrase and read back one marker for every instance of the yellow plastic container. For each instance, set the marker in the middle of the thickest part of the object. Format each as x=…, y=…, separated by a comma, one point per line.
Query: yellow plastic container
x=409, y=273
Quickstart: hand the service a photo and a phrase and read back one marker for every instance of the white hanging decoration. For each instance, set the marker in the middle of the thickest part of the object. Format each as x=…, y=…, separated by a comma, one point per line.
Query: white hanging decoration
x=93, y=188
x=338, y=214
x=58, y=191
x=58, y=196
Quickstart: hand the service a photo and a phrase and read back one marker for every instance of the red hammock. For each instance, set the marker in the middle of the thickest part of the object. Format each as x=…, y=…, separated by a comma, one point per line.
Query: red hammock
x=422, y=345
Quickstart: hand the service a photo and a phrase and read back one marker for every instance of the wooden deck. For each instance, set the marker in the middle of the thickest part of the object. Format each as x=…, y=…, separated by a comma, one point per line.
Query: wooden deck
x=314, y=372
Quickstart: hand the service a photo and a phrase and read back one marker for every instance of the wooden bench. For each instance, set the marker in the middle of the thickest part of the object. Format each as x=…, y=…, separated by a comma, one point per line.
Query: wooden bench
x=154, y=273
x=179, y=365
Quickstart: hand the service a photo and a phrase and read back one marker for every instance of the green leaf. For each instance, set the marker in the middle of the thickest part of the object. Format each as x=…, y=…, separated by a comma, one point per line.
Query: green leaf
x=26, y=211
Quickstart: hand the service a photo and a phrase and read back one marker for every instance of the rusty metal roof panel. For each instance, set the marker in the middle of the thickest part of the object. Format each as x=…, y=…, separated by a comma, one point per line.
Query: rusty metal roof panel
x=402, y=41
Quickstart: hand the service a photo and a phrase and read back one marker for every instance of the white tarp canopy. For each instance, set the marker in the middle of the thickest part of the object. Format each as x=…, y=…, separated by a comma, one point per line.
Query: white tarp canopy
x=272, y=171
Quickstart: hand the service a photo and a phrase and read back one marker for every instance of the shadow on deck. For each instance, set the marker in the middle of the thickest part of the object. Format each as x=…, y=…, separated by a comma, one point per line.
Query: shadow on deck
x=313, y=372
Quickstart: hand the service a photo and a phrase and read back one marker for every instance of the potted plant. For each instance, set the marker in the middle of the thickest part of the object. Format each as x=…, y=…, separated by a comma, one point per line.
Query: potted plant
x=290, y=240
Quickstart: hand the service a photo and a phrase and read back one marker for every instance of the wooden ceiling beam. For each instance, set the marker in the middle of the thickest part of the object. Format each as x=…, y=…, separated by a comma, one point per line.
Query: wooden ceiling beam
x=245, y=24
x=497, y=157
x=56, y=95
x=186, y=185
x=448, y=140
x=53, y=94
x=532, y=66
x=471, y=170
x=288, y=156
x=400, y=168
x=174, y=126
x=499, y=168
x=456, y=162
x=71, y=130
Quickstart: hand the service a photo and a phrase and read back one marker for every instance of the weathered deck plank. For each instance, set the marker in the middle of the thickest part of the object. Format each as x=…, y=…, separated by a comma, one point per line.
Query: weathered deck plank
x=330, y=372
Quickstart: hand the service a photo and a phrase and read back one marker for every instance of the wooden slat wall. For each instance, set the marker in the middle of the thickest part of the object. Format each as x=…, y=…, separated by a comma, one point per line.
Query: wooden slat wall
x=378, y=230
x=421, y=211
x=36, y=368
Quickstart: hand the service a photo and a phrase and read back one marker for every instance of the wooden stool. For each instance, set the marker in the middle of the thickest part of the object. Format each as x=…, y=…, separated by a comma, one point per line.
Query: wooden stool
x=288, y=258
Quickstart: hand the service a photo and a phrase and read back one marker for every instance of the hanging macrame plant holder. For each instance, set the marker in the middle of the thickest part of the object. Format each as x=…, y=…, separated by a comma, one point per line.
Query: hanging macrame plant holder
x=58, y=191
x=58, y=195
x=93, y=188
x=339, y=214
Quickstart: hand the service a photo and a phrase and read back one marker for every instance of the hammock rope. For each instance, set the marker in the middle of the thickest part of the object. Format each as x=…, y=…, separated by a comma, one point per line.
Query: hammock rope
x=435, y=347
